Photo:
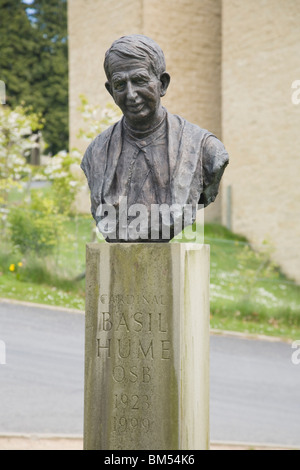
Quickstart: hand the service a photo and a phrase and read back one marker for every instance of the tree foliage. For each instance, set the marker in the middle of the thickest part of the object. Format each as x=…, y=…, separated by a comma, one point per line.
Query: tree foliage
x=34, y=221
x=35, y=228
x=16, y=129
x=34, y=62
x=96, y=119
x=64, y=173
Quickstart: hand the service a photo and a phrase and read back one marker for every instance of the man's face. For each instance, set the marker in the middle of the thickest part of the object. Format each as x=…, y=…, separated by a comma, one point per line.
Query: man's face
x=135, y=89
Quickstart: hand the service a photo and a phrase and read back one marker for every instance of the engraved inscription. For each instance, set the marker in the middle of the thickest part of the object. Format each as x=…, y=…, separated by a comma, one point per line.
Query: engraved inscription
x=134, y=374
x=132, y=322
x=130, y=299
x=142, y=349
x=132, y=335
x=123, y=424
x=132, y=402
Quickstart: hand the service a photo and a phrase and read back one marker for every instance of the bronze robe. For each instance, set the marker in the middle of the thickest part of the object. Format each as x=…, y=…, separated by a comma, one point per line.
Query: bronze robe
x=194, y=157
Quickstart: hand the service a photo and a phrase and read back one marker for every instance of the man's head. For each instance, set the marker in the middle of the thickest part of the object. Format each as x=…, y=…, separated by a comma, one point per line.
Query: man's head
x=136, y=46
x=135, y=70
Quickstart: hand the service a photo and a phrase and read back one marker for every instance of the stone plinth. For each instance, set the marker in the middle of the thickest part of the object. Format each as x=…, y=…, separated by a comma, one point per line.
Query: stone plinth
x=147, y=347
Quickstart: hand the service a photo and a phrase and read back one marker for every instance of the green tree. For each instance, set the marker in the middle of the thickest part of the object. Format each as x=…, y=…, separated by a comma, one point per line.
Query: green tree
x=19, y=50
x=50, y=77
x=34, y=62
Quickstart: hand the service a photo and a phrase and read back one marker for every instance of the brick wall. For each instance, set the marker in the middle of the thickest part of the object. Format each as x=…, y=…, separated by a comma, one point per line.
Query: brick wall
x=261, y=125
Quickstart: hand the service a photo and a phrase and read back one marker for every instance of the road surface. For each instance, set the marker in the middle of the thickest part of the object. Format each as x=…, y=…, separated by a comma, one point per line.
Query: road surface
x=255, y=388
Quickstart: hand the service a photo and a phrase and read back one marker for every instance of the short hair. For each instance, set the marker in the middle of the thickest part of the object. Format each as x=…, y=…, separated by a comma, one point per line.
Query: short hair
x=137, y=46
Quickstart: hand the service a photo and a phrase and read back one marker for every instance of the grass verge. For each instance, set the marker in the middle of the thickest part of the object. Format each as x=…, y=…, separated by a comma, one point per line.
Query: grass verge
x=248, y=292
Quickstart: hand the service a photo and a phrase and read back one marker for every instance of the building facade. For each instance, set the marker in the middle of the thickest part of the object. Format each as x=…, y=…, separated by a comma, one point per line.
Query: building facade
x=232, y=66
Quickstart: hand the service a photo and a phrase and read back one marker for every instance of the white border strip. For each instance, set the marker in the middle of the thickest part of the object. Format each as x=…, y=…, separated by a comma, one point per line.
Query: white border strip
x=248, y=445
x=254, y=445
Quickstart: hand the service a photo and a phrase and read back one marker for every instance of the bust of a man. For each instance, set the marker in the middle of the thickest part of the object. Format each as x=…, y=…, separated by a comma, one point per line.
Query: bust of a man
x=150, y=171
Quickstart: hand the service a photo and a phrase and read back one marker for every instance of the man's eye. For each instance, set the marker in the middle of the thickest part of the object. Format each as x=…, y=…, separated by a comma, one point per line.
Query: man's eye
x=119, y=85
x=140, y=80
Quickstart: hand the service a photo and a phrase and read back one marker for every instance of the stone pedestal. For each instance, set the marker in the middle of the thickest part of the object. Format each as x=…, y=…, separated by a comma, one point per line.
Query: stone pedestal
x=147, y=347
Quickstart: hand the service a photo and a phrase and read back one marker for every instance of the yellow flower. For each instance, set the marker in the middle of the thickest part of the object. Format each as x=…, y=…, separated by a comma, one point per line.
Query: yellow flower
x=12, y=268
x=20, y=264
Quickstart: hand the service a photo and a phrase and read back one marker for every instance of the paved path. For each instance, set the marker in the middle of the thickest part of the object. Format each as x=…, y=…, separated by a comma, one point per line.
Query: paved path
x=255, y=388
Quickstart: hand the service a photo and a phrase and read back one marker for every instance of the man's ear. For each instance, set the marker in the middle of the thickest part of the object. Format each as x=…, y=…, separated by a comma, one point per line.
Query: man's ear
x=108, y=87
x=165, y=81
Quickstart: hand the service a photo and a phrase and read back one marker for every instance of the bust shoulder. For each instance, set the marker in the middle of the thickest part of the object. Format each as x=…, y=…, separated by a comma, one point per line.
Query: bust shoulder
x=102, y=138
x=192, y=131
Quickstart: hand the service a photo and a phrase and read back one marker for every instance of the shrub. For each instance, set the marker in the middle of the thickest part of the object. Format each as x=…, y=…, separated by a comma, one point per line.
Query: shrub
x=35, y=228
x=16, y=130
x=64, y=174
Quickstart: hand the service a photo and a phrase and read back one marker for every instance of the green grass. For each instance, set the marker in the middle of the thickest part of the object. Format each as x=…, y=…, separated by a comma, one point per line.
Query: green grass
x=11, y=288
x=244, y=297
x=71, y=251
x=52, y=280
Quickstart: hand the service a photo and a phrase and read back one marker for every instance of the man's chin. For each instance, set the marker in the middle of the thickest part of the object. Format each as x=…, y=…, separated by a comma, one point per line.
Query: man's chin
x=137, y=117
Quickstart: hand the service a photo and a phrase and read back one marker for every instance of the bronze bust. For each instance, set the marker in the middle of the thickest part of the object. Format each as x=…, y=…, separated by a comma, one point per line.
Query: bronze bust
x=145, y=171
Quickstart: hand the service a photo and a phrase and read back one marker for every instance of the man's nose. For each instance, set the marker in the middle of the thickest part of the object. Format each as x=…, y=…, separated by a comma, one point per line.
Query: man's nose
x=131, y=91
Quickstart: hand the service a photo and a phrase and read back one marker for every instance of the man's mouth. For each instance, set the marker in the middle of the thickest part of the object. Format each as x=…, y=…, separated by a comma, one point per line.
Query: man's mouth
x=135, y=108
